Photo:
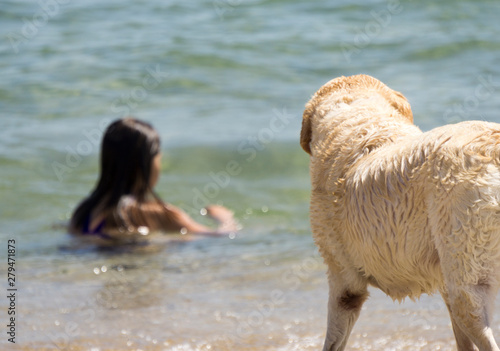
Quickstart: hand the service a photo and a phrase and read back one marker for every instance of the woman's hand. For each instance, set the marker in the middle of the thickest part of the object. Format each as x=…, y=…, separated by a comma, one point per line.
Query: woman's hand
x=219, y=213
x=224, y=217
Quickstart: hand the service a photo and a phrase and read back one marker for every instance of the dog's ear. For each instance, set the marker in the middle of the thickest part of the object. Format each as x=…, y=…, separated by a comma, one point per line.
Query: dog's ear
x=399, y=102
x=306, y=131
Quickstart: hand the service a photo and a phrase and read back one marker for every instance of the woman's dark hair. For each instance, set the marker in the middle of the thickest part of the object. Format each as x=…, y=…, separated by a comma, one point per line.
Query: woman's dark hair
x=127, y=152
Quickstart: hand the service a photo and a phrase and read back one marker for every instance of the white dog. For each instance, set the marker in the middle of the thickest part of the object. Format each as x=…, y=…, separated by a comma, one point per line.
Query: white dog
x=405, y=211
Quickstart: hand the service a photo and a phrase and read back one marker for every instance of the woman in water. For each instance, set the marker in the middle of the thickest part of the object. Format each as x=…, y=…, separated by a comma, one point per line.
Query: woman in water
x=124, y=206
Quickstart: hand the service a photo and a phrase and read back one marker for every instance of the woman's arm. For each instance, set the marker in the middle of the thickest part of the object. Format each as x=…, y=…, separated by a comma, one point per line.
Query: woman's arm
x=168, y=217
x=181, y=220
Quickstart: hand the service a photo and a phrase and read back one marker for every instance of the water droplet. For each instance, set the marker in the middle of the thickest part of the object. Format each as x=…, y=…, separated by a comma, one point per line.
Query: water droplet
x=203, y=211
x=249, y=211
x=232, y=235
x=218, y=316
x=56, y=322
x=184, y=231
x=104, y=269
x=97, y=270
x=267, y=262
x=265, y=209
x=143, y=230
x=129, y=343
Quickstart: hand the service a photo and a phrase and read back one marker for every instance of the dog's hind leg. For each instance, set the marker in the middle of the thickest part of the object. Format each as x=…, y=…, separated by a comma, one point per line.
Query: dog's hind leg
x=470, y=308
x=466, y=230
x=344, y=305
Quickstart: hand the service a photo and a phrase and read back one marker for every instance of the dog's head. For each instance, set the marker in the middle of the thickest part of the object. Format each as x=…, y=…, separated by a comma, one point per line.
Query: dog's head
x=346, y=90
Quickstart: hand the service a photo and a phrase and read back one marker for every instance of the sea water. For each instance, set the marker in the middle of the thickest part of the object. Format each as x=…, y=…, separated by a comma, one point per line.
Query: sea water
x=224, y=82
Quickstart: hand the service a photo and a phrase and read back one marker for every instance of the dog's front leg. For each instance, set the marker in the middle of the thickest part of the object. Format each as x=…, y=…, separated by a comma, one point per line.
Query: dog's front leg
x=344, y=305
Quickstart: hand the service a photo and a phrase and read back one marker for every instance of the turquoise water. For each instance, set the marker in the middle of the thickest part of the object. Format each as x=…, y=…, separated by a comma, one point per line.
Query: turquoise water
x=222, y=81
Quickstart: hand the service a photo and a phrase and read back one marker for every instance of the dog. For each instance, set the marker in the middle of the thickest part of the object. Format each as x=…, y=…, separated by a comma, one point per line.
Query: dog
x=401, y=210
